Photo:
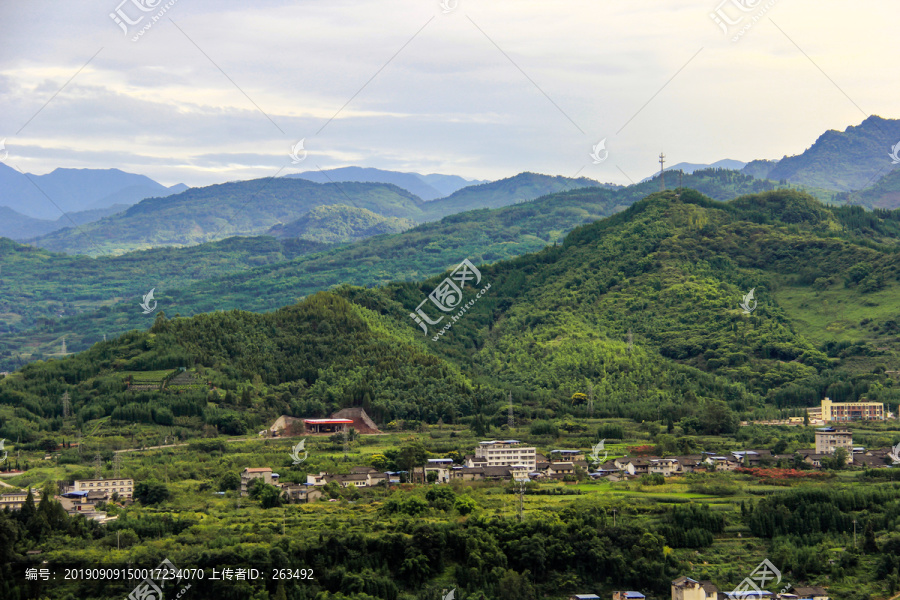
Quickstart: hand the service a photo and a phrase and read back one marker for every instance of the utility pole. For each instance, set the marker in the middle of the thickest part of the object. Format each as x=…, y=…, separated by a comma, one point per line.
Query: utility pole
x=346, y=444
x=510, y=419
x=662, y=172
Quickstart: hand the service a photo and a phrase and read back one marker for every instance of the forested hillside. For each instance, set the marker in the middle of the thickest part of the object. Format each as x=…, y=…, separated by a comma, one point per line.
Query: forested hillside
x=99, y=297
x=220, y=211
x=339, y=223
x=671, y=270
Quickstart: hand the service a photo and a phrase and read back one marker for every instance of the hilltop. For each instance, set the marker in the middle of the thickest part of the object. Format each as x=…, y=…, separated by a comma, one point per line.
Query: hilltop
x=100, y=296
x=838, y=160
x=340, y=223
x=671, y=269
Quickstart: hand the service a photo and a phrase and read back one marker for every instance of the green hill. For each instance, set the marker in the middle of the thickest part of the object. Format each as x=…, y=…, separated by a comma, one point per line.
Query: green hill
x=671, y=269
x=497, y=194
x=220, y=211
x=839, y=160
x=884, y=194
x=339, y=223
x=100, y=296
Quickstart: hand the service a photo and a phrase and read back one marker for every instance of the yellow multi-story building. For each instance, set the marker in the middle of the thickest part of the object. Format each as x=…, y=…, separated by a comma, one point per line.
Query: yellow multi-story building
x=852, y=411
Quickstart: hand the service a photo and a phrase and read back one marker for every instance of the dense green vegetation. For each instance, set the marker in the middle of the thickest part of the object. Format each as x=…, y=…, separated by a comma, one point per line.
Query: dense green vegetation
x=839, y=160
x=670, y=270
x=340, y=223
x=218, y=211
x=99, y=296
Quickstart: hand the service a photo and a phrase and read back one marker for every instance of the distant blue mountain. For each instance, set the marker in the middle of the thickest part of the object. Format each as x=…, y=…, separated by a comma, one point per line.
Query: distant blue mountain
x=75, y=190
x=426, y=187
x=20, y=227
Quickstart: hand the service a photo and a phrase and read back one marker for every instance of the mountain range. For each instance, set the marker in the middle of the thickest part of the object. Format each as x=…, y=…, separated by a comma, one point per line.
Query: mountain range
x=262, y=273
x=426, y=187
x=642, y=308
x=253, y=207
x=47, y=197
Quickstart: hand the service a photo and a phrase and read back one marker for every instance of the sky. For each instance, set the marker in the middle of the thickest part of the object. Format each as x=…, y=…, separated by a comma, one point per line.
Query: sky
x=223, y=90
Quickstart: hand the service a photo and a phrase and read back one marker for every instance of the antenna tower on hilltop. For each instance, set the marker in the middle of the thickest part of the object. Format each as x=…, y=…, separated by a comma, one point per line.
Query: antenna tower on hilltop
x=662, y=172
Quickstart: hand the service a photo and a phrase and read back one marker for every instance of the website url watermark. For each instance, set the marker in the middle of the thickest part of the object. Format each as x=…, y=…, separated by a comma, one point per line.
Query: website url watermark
x=124, y=20
x=447, y=297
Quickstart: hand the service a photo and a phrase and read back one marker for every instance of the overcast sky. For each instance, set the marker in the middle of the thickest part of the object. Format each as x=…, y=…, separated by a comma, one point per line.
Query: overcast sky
x=220, y=90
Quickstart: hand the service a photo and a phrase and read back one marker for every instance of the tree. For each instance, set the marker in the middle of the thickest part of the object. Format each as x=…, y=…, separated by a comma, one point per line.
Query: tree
x=441, y=497
x=229, y=481
x=270, y=496
x=465, y=504
x=412, y=455
x=579, y=398
x=479, y=427
x=839, y=459
x=151, y=492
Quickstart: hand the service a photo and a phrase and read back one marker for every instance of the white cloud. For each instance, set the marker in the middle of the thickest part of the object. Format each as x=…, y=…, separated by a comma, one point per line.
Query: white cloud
x=450, y=101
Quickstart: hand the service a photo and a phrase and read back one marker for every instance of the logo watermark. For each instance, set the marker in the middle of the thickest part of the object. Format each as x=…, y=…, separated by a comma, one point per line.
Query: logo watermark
x=595, y=452
x=894, y=454
x=301, y=446
x=599, y=153
x=447, y=297
x=745, y=304
x=123, y=19
x=449, y=595
x=148, y=297
x=448, y=6
x=4, y=154
x=5, y=453
x=737, y=20
x=151, y=588
x=753, y=585
x=296, y=150
x=895, y=153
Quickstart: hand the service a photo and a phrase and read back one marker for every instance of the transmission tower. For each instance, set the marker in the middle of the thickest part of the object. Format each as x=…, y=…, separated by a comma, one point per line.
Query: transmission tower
x=64, y=346
x=662, y=172
x=66, y=406
x=98, y=466
x=510, y=419
x=117, y=465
